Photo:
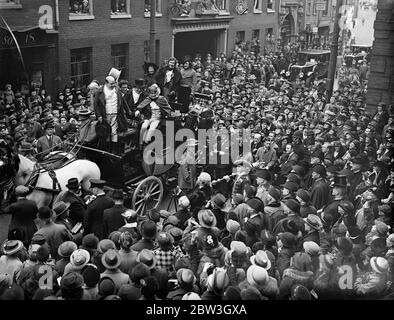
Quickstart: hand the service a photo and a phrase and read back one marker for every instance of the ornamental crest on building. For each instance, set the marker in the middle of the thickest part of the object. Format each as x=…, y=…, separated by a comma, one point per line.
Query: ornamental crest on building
x=242, y=7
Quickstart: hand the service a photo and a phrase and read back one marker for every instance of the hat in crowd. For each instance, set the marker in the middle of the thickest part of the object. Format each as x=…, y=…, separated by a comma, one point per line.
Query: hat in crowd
x=298, y=170
x=148, y=229
x=49, y=125
x=347, y=206
x=238, y=247
x=318, y=154
x=176, y=233
x=147, y=257
x=116, y=195
x=304, y=195
x=21, y=191
x=261, y=259
x=313, y=221
x=379, y=265
x=299, y=292
x=39, y=239
x=105, y=245
x=256, y=204
x=97, y=183
x=238, y=198
x=66, y=249
x=288, y=239
x=267, y=238
x=340, y=180
x=60, y=208
x=115, y=236
x=129, y=214
x=293, y=205
x=274, y=193
x=291, y=186
x=204, y=177
x=71, y=281
x=219, y=200
x=170, y=222
x=44, y=212
x=290, y=225
x=106, y=287
x=165, y=240
x=257, y=276
x=320, y=169
x=73, y=184
x=390, y=241
x=298, y=134
x=10, y=247
x=378, y=246
x=129, y=292
x=80, y=258
x=218, y=281
x=293, y=177
x=301, y=261
x=263, y=174
x=206, y=219
x=191, y=296
x=251, y=293
x=358, y=160
x=311, y=248
x=111, y=259
x=232, y=293
x=232, y=226
x=139, y=82
x=186, y=278
x=91, y=275
x=90, y=242
x=154, y=215
x=345, y=245
x=381, y=228
x=184, y=202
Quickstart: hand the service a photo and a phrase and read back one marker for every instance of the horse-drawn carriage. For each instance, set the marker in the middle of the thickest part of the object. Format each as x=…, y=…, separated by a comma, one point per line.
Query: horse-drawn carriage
x=320, y=57
x=305, y=72
x=359, y=53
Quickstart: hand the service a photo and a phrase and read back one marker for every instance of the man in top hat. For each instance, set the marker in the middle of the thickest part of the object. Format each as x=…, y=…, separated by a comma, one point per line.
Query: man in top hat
x=338, y=194
x=94, y=212
x=112, y=217
x=23, y=212
x=187, y=84
x=320, y=192
x=108, y=108
x=168, y=79
x=48, y=142
x=73, y=195
x=132, y=98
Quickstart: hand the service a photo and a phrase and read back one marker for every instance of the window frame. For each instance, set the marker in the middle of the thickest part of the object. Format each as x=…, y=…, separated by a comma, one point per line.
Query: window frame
x=271, y=10
x=226, y=10
x=14, y=4
x=253, y=34
x=89, y=63
x=121, y=15
x=82, y=16
x=158, y=12
x=258, y=6
x=125, y=70
x=240, y=32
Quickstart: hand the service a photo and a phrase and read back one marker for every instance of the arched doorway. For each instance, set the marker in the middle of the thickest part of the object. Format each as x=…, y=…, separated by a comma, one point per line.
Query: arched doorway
x=287, y=29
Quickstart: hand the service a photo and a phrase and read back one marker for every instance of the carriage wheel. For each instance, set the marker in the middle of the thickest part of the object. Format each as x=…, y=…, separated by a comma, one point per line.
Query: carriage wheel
x=148, y=195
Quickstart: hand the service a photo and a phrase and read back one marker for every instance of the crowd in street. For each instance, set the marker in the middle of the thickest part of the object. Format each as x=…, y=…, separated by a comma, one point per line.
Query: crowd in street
x=306, y=215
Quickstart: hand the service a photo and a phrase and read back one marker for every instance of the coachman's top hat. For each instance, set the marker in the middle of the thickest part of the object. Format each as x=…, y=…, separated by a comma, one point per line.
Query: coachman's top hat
x=340, y=181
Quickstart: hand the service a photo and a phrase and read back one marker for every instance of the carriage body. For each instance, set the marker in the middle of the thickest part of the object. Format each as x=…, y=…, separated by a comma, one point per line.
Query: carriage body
x=321, y=57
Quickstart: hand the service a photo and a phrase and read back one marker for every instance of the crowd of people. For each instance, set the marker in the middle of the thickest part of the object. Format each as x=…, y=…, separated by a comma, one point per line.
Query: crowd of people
x=306, y=215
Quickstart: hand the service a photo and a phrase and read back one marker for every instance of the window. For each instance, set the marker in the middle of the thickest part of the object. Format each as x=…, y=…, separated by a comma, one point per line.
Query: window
x=222, y=5
x=270, y=6
x=315, y=9
x=120, y=59
x=81, y=10
x=120, y=9
x=256, y=34
x=147, y=50
x=309, y=8
x=81, y=66
x=10, y=4
x=325, y=11
x=240, y=36
x=147, y=8
x=257, y=7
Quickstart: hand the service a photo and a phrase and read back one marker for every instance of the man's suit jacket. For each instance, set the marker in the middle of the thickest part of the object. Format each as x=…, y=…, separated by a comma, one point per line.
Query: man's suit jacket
x=129, y=105
x=77, y=207
x=43, y=144
x=112, y=219
x=100, y=111
x=94, y=215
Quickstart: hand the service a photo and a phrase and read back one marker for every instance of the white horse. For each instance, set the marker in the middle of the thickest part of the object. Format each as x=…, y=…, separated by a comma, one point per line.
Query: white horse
x=83, y=170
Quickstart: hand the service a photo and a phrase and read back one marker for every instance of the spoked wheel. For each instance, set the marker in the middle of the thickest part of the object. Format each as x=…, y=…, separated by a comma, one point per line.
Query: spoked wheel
x=148, y=195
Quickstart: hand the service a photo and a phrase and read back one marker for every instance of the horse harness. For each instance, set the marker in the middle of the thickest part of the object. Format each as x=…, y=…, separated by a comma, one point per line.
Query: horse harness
x=38, y=169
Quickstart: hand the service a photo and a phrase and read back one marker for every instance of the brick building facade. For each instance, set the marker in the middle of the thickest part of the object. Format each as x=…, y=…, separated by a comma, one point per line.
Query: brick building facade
x=90, y=36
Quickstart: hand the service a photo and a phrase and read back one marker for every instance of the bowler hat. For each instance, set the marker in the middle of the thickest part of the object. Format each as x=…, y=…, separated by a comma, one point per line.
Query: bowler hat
x=304, y=195
x=73, y=184
x=291, y=186
x=61, y=207
x=256, y=204
x=49, y=125
x=293, y=205
x=219, y=200
x=274, y=193
x=90, y=242
x=288, y=239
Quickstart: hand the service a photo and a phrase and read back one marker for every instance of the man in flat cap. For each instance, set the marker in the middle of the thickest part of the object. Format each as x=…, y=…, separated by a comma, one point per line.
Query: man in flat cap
x=94, y=213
